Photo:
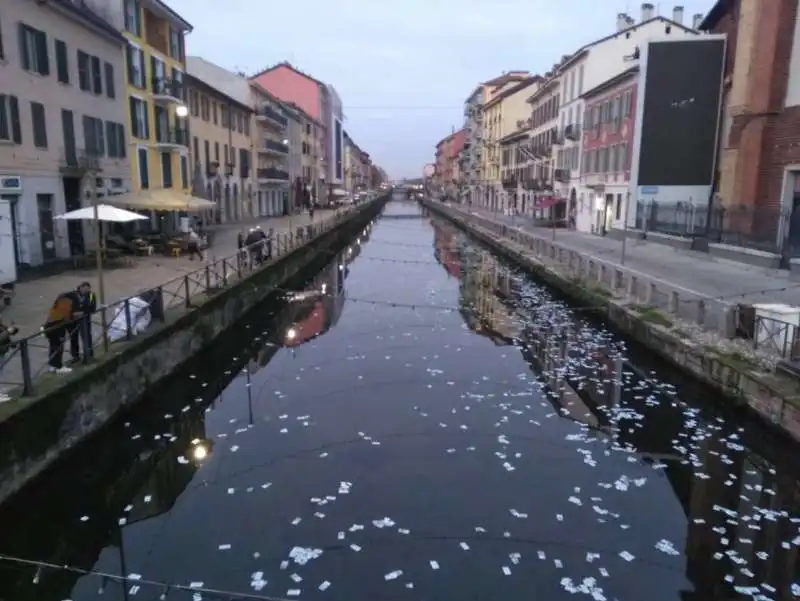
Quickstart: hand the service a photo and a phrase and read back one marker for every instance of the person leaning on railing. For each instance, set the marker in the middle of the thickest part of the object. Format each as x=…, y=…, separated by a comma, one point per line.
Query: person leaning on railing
x=81, y=330
x=60, y=318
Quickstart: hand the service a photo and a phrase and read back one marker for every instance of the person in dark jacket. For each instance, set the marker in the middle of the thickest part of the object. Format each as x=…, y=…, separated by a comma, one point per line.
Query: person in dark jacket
x=59, y=318
x=81, y=330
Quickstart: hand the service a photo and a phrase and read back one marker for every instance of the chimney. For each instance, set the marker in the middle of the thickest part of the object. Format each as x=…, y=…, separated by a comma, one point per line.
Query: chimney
x=696, y=20
x=622, y=21
x=677, y=15
x=648, y=11
x=631, y=21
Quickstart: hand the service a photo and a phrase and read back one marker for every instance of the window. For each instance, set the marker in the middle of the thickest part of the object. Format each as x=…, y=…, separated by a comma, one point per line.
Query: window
x=97, y=76
x=619, y=206
x=33, y=46
x=214, y=112
x=216, y=151
x=84, y=78
x=139, y=120
x=10, y=127
x=62, y=62
x=158, y=76
x=135, y=58
x=2, y=52
x=144, y=172
x=93, y=136
x=174, y=43
x=207, y=152
x=246, y=120
x=133, y=17
x=39, y=125
x=110, y=88
x=224, y=114
x=166, y=169
x=580, y=80
x=196, y=148
x=178, y=84
x=115, y=136
x=184, y=171
x=226, y=154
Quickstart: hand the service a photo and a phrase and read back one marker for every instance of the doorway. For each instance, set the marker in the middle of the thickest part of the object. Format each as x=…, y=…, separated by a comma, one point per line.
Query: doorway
x=12, y=200
x=47, y=233
x=72, y=202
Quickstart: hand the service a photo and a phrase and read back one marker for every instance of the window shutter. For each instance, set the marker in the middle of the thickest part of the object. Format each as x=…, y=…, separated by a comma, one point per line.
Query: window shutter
x=5, y=133
x=121, y=144
x=129, y=61
x=25, y=56
x=42, y=54
x=16, y=126
x=110, y=91
x=146, y=132
x=97, y=76
x=101, y=147
x=143, y=71
x=88, y=136
x=111, y=136
x=134, y=121
x=62, y=65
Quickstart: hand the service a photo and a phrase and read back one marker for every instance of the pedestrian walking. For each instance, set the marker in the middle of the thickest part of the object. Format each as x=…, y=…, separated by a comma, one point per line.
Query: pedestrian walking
x=194, y=245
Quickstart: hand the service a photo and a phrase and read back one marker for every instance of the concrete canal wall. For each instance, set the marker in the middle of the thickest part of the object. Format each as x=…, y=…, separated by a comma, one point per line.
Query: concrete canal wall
x=768, y=396
x=53, y=423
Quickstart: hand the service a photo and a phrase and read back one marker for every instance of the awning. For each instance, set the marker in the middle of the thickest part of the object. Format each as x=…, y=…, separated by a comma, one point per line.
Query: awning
x=547, y=201
x=161, y=200
x=340, y=192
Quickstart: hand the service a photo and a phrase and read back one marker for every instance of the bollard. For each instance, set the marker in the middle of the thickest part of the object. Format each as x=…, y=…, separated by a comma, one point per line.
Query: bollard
x=616, y=278
x=674, y=302
x=650, y=295
x=601, y=273
x=633, y=288
x=729, y=319
x=701, y=312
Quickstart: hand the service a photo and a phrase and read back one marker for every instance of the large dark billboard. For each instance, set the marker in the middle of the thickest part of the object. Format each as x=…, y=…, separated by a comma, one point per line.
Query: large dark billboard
x=681, y=81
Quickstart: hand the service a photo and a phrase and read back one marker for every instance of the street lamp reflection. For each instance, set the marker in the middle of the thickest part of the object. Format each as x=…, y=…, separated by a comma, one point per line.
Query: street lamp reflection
x=291, y=334
x=200, y=449
x=324, y=288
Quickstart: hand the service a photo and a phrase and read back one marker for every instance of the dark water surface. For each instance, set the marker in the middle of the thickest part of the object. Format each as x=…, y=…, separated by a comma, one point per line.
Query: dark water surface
x=429, y=425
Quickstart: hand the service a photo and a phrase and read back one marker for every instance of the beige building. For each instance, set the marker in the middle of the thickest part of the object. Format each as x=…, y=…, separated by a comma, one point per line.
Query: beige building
x=62, y=124
x=304, y=153
x=271, y=149
x=220, y=131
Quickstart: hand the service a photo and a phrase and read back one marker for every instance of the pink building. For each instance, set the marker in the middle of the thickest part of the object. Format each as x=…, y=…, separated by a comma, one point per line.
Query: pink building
x=318, y=100
x=609, y=117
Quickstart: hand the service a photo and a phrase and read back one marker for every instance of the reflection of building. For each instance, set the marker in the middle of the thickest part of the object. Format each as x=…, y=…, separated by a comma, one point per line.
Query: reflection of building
x=444, y=249
x=320, y=313
x=485, y=287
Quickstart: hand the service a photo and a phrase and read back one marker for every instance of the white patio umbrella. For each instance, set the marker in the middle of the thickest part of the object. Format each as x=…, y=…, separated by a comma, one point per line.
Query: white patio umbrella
x=99, y=213
x=103, y=213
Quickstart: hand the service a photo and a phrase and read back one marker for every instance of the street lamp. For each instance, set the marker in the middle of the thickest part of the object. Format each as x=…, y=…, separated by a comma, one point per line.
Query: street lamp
x=182, y=111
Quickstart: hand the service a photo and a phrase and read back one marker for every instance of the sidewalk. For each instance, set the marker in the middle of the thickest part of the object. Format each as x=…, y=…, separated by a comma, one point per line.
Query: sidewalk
x=703, y=274
x=33, y=298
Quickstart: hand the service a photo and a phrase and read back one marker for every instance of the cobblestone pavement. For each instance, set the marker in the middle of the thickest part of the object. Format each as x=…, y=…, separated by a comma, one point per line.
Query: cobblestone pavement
x=706, y=275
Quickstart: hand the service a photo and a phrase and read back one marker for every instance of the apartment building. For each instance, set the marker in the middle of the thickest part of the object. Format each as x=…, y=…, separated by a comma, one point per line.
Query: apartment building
x=322, y=103
x=155, y=62
x=62, y=123
x=516, y=168
x=507, y=111
x=607, y=143
x=220, y=129
x=271, y=148
x=544, y=135
x=310, y=142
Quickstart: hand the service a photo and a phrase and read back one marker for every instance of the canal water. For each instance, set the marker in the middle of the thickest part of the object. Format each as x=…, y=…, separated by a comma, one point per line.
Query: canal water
x=419, y=421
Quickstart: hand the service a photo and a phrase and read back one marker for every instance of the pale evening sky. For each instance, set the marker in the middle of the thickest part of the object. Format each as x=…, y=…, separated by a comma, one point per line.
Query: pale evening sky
x=402, y=68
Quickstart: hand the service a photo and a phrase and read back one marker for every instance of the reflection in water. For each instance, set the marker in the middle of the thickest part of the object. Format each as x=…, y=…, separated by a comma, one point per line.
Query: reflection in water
x=146, y=473
x=401, y=456
x=742, y=515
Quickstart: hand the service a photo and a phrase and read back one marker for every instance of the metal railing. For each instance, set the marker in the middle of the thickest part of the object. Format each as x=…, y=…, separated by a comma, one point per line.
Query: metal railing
x=23, y=367
x=272, y=173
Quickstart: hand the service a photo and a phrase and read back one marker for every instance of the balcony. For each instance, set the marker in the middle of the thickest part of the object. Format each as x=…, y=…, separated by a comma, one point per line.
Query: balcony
x=561, y=175
x=78, y=161
x=270, y=175
x=572, y=132
x=270, y=116
x=273, y=148
x=166, y=91
x=509, y=183
x=168, y=138
x=594, y=180
x=556, y=137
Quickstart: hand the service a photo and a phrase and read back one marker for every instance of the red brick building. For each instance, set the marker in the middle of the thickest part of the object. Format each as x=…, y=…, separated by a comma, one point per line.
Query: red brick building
x=609, y=117
x=758, y=174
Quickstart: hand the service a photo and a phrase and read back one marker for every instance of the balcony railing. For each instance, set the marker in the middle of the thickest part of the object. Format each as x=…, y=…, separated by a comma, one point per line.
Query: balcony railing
x=170, y=136
x=276, y=146
x=271, y=115
x=572, y=132
x=168, y=89
x=272, y=174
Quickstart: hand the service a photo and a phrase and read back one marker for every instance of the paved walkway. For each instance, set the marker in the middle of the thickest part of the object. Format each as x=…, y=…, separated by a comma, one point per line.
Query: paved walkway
x=706, y=275
x=33, y=298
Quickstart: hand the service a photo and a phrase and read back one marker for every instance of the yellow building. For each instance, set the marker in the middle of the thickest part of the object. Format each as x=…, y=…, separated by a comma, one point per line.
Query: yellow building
x=504, y=112
x=155, y=61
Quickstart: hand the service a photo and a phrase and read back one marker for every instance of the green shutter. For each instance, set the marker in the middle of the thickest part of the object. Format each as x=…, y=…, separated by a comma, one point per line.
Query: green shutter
x=42, y=53
x=24, y=55
x=62, y=63
x=16, y=127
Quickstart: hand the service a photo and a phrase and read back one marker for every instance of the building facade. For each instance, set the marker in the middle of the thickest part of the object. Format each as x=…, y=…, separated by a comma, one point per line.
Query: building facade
x=544, y=137
x=507, y=111
x=155, y=63
x=220, y=128
x=63, y=123
x=758, y=167
x=608, y=135
x=322, y=103
x=272, y=149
